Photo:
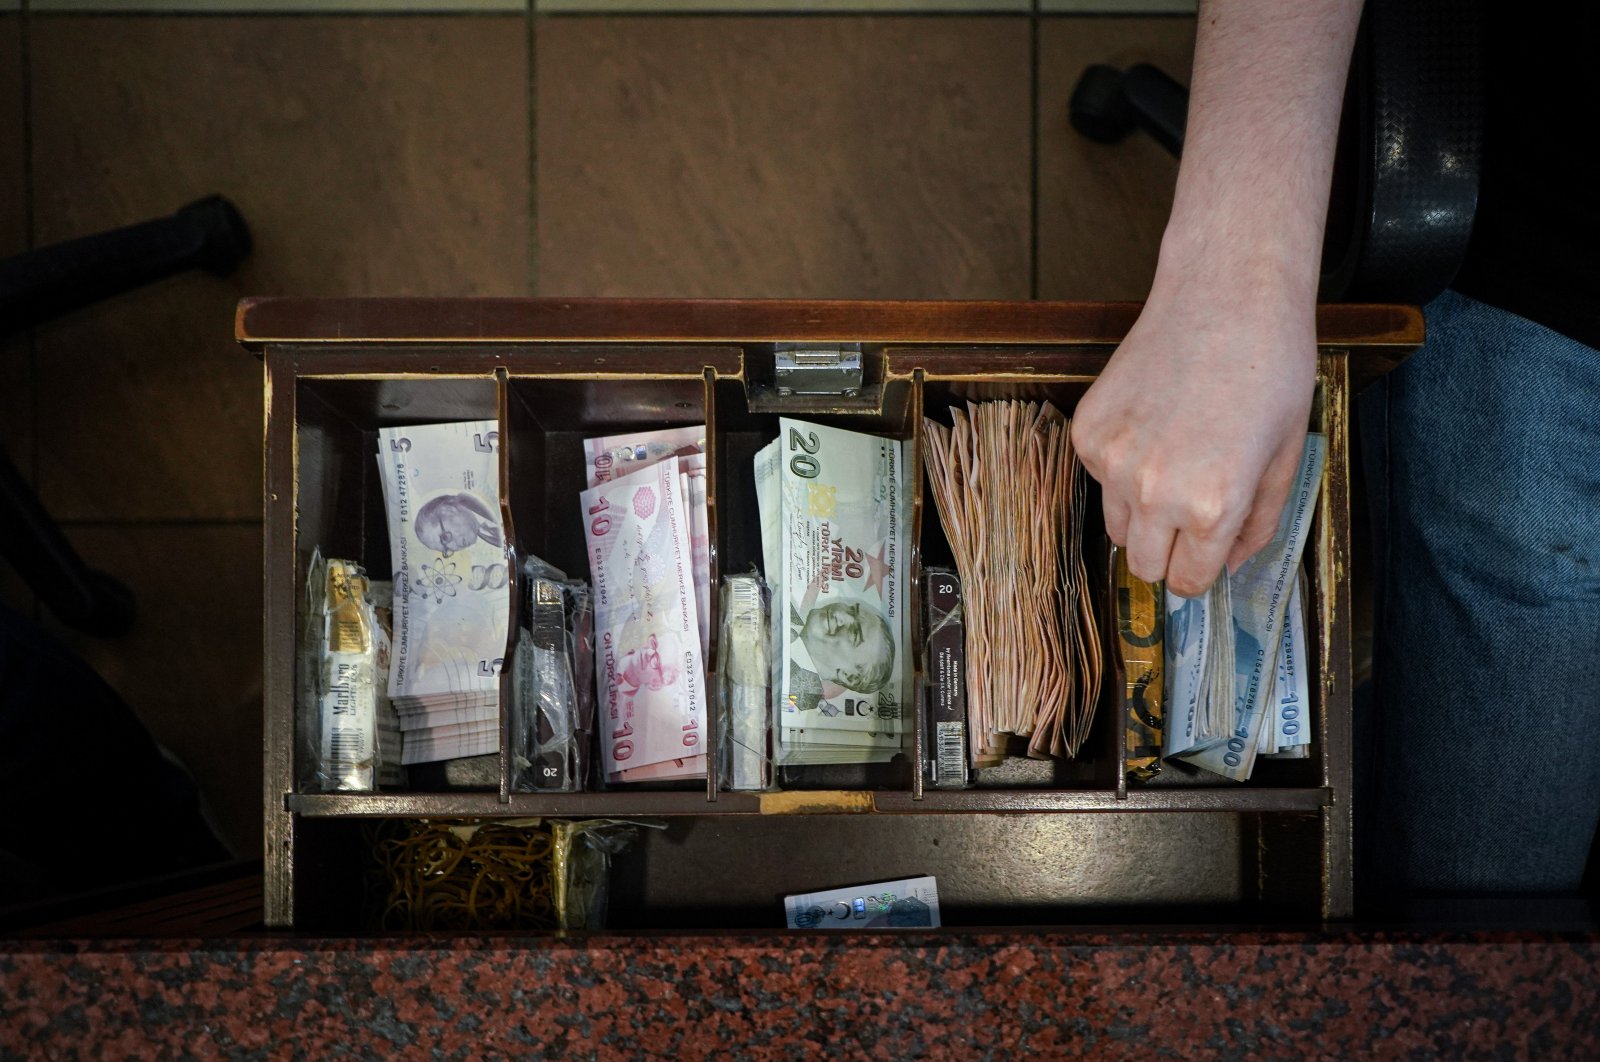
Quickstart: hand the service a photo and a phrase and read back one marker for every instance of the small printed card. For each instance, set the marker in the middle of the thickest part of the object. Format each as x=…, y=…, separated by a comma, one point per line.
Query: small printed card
x=910, y=903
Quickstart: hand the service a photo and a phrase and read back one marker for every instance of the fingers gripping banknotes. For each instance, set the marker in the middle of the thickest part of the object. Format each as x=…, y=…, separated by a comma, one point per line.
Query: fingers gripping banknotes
x=1260, y=595
x=452, y=595
x=648, y=666
x=844, y=566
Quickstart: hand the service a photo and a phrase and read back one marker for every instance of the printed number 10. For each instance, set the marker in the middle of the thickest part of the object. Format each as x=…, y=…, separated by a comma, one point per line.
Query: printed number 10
x=600, y=526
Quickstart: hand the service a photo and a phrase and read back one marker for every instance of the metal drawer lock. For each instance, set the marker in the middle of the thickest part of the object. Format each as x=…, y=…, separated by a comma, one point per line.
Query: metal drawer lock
x=804, y=369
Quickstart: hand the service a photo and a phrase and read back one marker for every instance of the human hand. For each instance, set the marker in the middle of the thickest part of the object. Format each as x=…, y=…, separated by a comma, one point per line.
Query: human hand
x=1197, y=424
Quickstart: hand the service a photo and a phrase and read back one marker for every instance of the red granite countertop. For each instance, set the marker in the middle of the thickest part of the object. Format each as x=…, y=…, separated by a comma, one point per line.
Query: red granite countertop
x=1134, y=992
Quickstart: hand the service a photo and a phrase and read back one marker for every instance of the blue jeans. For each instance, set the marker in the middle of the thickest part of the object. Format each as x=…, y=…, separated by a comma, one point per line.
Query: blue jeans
x=1480, y=748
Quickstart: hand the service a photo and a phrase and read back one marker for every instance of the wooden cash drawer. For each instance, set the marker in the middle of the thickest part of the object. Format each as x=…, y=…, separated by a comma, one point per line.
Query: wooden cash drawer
x=555, y=371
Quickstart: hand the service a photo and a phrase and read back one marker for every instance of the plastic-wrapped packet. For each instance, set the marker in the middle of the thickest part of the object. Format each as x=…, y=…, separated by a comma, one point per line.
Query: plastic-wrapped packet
x=581, y=867
x=946, y=669
x=744, y=703
x=552, y=703
x=580, y=647
x=337, y=716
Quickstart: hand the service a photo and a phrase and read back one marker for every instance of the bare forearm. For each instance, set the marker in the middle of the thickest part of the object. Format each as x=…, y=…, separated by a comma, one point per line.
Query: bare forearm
x=1264, y=108
x=1196, y=425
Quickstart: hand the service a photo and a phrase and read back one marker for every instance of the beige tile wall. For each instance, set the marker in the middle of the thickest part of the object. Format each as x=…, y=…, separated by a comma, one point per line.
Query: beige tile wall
x=1102, y=207
x=369, y=156
x=828, y=158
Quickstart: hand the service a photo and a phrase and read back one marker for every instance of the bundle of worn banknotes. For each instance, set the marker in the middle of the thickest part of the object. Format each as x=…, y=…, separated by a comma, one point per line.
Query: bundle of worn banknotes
x=813, y=667
x=1220, y=680
x=1010, y=494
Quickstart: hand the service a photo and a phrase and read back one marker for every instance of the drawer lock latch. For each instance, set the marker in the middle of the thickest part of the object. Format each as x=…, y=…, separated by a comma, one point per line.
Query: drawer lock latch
x=824, y=371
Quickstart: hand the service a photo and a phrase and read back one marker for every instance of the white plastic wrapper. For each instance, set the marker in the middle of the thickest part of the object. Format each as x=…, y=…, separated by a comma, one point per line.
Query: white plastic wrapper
x=745, y=703
x=338, y=709
x=552, y=707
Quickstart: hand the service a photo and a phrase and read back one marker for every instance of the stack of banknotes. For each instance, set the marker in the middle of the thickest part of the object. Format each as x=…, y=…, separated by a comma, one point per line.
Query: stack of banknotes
x=645, y=526
x=391, y=774
x=1010, y=493
x=834, y=508
x=1236, y=677
x=452, y=597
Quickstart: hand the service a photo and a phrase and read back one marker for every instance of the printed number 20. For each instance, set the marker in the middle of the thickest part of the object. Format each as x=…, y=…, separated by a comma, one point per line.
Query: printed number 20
x=804, y=464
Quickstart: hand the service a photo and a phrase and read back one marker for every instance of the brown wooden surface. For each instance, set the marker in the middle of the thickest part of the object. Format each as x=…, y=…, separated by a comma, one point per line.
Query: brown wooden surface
x=278, y=651
x=206, y=911
x=1332, y=582
x=592, y=357
x=473, y=321
x=627, y=803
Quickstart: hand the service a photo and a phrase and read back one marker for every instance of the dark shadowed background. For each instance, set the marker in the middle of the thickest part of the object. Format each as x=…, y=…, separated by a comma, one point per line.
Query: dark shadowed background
x=880, y=149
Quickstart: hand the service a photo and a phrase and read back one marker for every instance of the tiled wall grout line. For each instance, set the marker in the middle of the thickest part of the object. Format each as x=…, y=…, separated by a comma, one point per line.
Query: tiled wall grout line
x=1033, y=152
x=976, y=12
x=131, y=522
x=531, y=38
x=30, y=239
x=864, y=13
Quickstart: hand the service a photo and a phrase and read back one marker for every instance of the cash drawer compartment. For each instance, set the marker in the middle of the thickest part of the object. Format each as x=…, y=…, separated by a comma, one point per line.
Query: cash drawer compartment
x=555, y=372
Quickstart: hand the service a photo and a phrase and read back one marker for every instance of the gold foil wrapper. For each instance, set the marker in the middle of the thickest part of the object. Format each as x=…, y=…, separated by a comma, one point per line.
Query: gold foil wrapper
x=1140, y=656
x=348, y=631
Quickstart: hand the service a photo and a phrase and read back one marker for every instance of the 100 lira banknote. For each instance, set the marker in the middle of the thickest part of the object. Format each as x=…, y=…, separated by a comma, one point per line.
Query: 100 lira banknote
x=1261, y=591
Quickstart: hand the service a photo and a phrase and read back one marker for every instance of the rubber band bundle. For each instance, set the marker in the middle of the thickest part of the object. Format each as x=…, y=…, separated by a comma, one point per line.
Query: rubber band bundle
x=459, y=875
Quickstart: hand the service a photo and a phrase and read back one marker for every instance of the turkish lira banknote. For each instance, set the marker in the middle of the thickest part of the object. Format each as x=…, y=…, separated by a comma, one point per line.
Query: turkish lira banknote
x=611, y=456
x=649, y=670
x=608, y=457
x=1261, y=591
x=452, y=598
x=1290, y=737
x=845, y=670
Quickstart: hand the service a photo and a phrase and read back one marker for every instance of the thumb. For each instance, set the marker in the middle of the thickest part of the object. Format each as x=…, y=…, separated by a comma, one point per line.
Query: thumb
x=1266, y=509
